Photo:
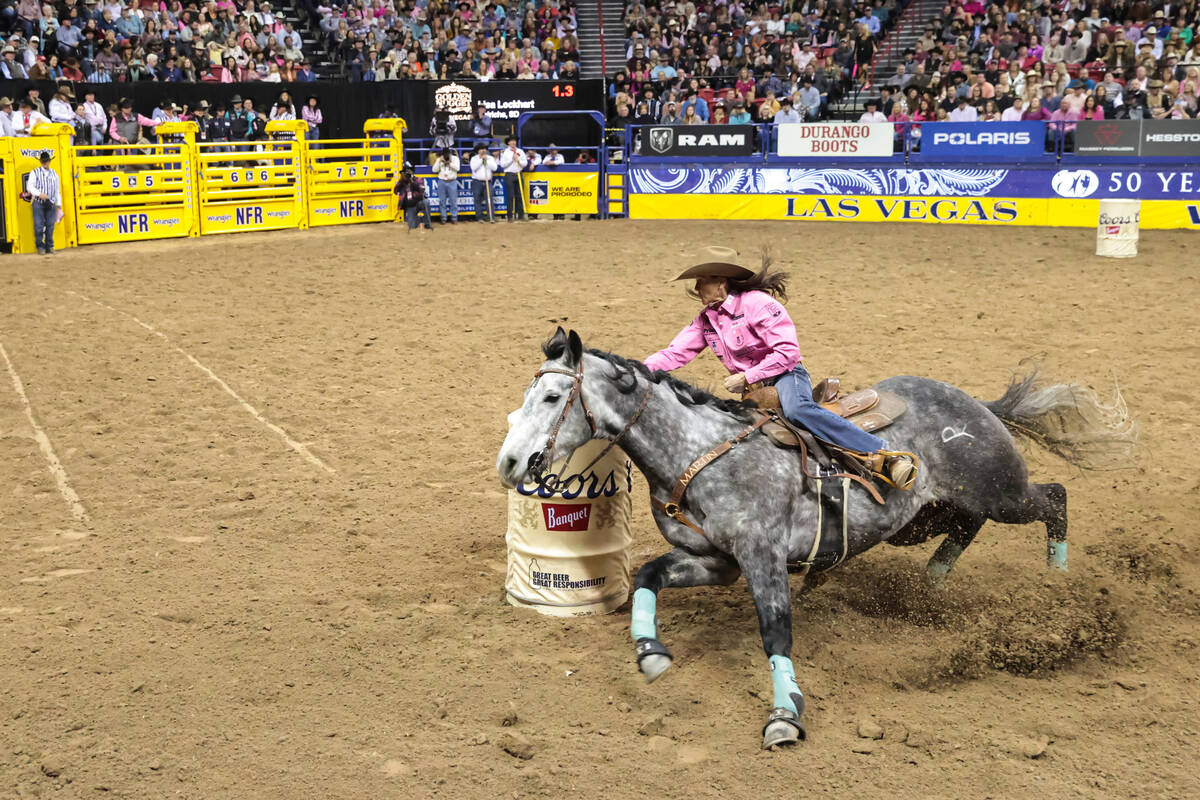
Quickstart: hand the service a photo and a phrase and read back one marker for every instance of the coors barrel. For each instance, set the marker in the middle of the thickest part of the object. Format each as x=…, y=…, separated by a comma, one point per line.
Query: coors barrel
x=569, y=537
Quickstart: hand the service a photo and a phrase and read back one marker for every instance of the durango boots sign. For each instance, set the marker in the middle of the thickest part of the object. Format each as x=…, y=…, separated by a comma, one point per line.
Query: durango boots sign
x=672, y=141
x=846, y=139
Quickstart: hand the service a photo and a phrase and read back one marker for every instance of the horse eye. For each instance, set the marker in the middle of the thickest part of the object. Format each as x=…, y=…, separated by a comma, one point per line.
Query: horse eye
x=552, y=398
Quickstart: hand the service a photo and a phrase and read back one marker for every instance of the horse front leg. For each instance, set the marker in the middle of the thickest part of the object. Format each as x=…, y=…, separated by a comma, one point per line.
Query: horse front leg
x=767, y=578
x=678, y=567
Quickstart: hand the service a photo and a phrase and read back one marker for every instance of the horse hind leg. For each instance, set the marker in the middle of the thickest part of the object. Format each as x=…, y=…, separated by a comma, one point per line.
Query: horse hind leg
x=1040, y=502
x=959, y=526
x=674, y=568
x=963, y=528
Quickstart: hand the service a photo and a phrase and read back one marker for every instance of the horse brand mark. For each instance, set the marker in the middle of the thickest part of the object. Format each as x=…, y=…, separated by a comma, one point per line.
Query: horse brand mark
x=566, y=518
x=950, y=434
x=661, y=139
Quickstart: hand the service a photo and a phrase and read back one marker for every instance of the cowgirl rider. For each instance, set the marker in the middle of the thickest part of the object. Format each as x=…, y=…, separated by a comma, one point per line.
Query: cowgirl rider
x=747, y=327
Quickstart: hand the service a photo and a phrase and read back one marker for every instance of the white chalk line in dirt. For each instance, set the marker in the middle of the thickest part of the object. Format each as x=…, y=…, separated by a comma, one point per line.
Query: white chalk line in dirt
x=56, y=467
x=298, y=447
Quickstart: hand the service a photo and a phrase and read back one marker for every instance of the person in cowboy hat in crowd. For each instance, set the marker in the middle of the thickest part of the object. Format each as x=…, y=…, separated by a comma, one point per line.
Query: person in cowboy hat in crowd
x=62, y=105
x=27, y=118
x=6, y=116
x=203, y=121
x=745, y=324
x=93, y=112
x=126, y=126
x=11, y=68
x=35, y=96
x=220, y=130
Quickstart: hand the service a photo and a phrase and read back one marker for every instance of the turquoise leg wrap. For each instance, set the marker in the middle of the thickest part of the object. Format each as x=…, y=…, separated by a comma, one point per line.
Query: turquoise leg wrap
x=645, y=604
x=783, y=679
x=943, y=560
x=1056, y=556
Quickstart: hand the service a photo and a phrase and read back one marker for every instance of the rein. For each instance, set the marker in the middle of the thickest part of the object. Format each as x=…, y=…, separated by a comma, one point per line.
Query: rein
x=543, y=458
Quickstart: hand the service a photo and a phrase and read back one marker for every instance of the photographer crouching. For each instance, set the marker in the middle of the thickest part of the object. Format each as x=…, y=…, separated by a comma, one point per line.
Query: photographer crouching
x=412, y=200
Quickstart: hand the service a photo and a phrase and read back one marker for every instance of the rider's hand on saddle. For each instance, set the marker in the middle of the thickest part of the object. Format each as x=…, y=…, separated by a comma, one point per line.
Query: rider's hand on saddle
x=736, y=383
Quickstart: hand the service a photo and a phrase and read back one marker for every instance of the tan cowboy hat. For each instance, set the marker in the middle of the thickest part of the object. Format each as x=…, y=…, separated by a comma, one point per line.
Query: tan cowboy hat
x=719, y=263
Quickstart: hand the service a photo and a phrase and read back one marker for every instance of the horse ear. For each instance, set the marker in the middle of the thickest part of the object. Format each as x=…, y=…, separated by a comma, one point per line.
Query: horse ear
x=574, y=348
x=556, y=345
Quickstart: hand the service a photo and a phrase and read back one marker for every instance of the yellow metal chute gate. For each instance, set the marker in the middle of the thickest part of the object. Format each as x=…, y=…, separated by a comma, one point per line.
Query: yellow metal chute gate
x=126, y=192
x=18, y=157
x=253, y=186
x=179, y=187
x=351, y=180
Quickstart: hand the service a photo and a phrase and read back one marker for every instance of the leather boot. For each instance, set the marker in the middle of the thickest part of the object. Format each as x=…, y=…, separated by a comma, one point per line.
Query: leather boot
x=901, y=470
x=765, y=396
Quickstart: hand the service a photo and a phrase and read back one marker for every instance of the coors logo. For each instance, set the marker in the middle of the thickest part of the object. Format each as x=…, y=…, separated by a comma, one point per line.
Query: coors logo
x=560, y=517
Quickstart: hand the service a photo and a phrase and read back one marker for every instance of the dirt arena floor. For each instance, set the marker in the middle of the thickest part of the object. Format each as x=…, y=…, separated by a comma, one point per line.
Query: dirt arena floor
x=272, y=563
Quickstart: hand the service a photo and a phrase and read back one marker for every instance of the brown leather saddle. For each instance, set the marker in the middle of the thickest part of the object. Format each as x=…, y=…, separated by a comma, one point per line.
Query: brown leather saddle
x=870, y=409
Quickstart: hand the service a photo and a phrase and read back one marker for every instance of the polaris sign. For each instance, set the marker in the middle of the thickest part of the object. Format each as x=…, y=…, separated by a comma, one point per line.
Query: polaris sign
x=672, y=141
x=975, y=141
x=982, y=138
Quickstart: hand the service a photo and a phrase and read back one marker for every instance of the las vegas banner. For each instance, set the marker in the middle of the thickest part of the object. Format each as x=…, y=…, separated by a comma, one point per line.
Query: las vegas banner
x=1170, y=196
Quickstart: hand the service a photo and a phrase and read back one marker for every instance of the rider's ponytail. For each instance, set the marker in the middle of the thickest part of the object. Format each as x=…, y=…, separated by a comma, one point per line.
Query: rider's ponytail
x=773, y=283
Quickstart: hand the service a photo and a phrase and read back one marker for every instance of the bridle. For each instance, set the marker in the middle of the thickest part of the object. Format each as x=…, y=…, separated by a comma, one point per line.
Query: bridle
x=541, y=461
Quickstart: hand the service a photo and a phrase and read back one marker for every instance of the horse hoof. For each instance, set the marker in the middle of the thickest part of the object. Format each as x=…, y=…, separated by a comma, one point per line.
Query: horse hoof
x=783, y=728
x=653, y=666
x=653, y=658
x=936, y=577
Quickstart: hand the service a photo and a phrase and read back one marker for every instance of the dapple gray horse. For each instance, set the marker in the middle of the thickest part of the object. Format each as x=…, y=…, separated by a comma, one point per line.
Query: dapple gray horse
x=754, y=505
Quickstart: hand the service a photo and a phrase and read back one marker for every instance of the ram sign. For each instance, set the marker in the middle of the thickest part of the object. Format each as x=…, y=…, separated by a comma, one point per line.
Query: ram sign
x=670, y=141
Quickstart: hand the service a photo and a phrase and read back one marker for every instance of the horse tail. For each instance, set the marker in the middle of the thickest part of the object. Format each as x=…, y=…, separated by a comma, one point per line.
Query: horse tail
x=1069, y=420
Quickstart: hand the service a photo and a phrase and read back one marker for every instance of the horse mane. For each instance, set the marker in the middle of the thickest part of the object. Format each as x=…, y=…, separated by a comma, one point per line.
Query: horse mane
x=627, y=368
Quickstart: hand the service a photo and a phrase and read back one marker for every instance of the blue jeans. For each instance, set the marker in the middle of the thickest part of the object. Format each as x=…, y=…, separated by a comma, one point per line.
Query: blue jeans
x=447, y=193
x=44, y=219
x=512, y=191
x=482, y=193
x=413, y=215
x=795, y=400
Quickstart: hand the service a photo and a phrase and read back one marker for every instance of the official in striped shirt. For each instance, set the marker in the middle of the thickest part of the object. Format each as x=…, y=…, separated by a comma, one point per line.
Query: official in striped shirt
x=44, y=194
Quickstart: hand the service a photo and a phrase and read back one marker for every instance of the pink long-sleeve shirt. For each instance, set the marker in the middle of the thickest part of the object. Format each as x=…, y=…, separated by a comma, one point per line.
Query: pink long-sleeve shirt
x=750, y=332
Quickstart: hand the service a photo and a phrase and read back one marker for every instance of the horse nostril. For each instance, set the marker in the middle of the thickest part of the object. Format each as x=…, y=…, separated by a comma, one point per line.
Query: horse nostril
x=510, y=464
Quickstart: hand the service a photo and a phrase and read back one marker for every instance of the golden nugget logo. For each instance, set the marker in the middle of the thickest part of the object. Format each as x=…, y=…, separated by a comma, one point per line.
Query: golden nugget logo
x=456, y=99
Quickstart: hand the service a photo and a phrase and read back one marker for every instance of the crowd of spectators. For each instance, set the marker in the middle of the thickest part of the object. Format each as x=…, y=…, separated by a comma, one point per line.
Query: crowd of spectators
x=702, y=62
x=107, y=41
x=239, y=120
x=226, y=41
x=695, y=63
x=1114, y=60
x=379, y=40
